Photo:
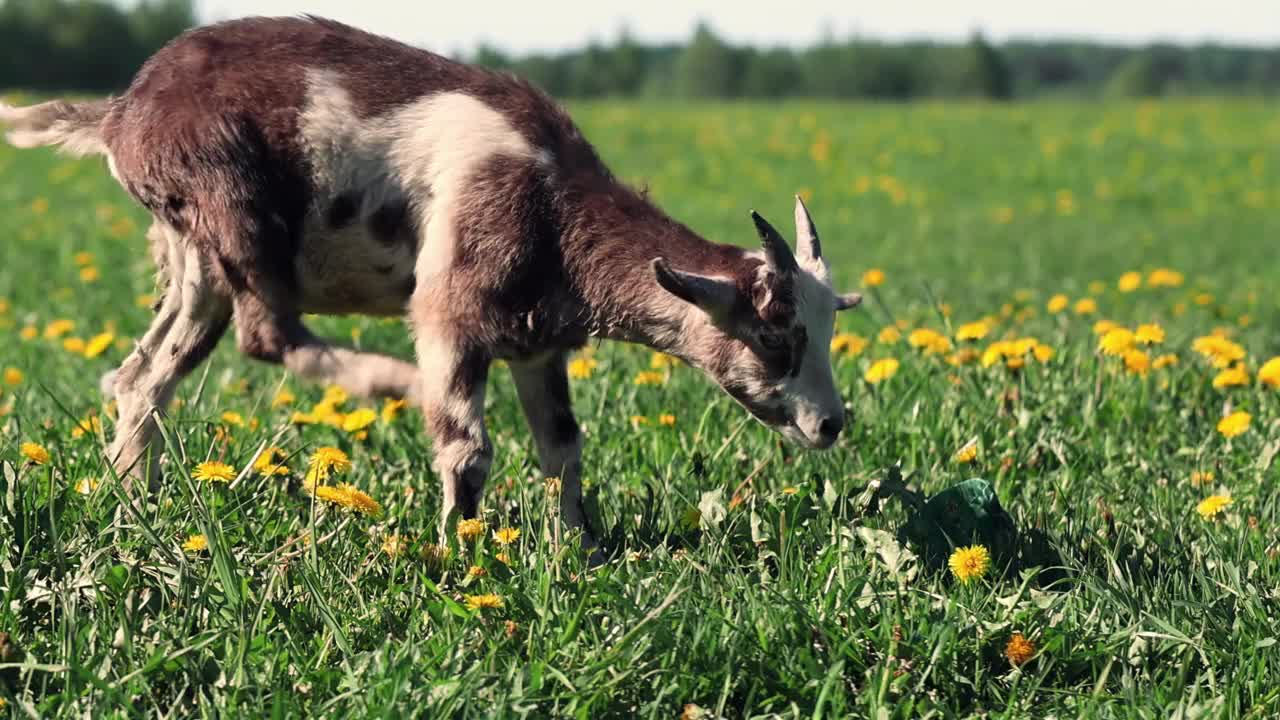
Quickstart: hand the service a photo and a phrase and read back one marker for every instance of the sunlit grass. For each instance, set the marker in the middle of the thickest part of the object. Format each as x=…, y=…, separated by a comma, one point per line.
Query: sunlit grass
x=1075, y=302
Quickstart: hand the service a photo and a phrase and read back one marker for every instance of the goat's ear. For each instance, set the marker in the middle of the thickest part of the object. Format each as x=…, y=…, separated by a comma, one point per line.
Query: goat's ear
x=714, y=295
x=848, y=301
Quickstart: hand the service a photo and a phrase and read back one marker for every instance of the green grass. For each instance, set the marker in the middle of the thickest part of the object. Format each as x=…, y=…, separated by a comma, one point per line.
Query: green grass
x=783, y=603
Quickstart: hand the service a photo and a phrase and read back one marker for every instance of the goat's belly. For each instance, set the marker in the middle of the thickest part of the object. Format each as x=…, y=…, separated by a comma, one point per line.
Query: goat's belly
x=353, y=271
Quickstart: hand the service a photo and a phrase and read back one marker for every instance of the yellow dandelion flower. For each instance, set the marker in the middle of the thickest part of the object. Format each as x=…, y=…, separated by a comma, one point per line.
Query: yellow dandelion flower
x=470, y=529
x=1164, y=361
x=476, y=571
x=967, y=454
x=506, y=535
x=233, y=418
x=1219, y=350
x=881, y=370
x=1199, y=478
x=650, y=377
x=58, y=328
x=213, y=471
x=638, y=420
x=581, y=368
x=1269, y=373
x=1102, y=327
x=12, y=376
x=303, y=418
x=73, y=345
x=963, y=356
x=1203, y=299
x=98, y=344
x=873, y=277
x=503, y=558
x=1043, y=353
x=790, y=490
x=1164, y=277
x=667, y=419
x=1086, y=306
x=282, y=398
x=1149, y=334
x=487, y=601
x=848, y=344
x=29, y=332
x=86, y=486
x=970, y=562
x=1234, y=424
x=91, y=424
x=270, y=462
x=349, y=497
x=973, y=331
x=931, y=341
x=145, y=300
x=1019, y=649
x=334, y=396
x=326, y=461
x=1129, y=282
x=1236, y=376
x=1137, y=362
x=196, y=543
x=1213, y=505
x=1057, y=303
x=394, y=545
x=89, y=274
x=1116, y=342
x=888, y=335
x=34, y=453
x=662, y=361
x=391, y=409
x=359, y=419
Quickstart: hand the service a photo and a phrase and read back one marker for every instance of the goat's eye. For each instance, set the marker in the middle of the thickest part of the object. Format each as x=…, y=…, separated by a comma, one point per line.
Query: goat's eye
x=773, y=341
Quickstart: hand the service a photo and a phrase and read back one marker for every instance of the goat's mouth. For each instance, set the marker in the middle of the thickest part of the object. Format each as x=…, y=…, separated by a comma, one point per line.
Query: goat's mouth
x=784, y=423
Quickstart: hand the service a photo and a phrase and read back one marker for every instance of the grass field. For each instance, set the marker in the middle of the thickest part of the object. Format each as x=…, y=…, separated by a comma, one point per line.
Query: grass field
x=750, y=578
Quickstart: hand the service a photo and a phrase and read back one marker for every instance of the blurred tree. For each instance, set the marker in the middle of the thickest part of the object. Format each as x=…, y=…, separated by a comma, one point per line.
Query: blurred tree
x=97, y=45
x=708, y=67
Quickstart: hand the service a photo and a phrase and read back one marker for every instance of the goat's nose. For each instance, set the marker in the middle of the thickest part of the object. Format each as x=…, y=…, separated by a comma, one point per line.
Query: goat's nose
x=831, y=426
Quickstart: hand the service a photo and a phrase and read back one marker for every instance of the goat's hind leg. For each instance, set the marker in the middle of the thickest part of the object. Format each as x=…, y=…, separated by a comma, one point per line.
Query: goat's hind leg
x=277, y=335
x=164, y=245
x=192, y=318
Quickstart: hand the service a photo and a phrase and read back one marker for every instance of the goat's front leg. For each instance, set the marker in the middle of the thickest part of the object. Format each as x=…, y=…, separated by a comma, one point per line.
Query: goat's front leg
x=452, y=392
x=543, y=387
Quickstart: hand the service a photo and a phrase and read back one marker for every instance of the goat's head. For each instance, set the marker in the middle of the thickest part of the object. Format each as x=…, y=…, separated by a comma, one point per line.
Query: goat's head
x=770, y=332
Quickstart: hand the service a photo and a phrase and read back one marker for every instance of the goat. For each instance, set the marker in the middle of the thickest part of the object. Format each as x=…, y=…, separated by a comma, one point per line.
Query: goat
x=298, y=165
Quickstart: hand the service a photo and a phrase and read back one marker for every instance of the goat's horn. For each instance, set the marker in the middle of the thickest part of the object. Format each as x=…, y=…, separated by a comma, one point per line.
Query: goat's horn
x=808, y=249
x=776, y=252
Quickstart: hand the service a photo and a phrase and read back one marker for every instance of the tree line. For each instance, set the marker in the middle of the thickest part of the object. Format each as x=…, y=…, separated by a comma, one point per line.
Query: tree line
x=96, y=46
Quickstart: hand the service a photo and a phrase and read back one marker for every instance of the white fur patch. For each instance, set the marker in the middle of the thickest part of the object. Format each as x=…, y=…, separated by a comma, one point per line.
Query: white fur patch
x=424, y=152
x=812, y=394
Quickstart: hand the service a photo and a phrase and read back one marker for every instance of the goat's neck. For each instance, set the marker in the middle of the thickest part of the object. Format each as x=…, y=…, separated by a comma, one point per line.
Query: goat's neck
x=615, y=240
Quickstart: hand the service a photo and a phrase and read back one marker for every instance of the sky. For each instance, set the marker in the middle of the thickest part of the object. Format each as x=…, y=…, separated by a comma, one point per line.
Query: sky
x=520, y=27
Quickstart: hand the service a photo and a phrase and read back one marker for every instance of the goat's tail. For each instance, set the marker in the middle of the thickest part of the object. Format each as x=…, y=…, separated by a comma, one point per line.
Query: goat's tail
x=75, y=127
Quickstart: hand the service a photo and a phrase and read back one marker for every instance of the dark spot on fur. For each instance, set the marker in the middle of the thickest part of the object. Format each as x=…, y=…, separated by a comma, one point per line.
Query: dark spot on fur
x=388, y=223
x=343, y=210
